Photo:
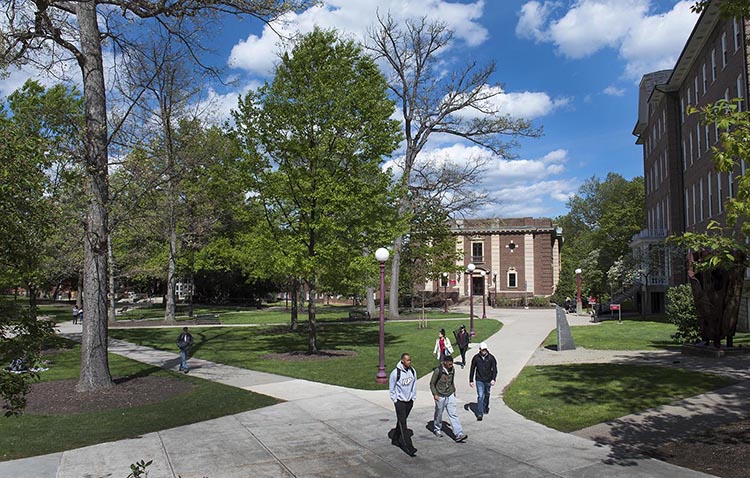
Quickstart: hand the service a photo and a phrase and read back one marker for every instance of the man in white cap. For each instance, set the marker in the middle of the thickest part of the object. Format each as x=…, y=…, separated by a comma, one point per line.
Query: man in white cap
x=485, y=367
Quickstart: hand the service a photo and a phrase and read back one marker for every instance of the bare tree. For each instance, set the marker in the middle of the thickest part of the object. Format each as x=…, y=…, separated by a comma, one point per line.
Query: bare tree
x=51, y=31
x=459, y=103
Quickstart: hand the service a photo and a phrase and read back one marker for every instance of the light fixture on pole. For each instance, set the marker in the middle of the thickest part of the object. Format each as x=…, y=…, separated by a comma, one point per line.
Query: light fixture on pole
x=445, y=291
x=381, y=255
x=579, y=304
x=484, y=285
x=470, y=284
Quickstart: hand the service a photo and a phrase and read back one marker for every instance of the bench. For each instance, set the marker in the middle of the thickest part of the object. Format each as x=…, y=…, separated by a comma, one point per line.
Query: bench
x=359, y=315
x=206, y=319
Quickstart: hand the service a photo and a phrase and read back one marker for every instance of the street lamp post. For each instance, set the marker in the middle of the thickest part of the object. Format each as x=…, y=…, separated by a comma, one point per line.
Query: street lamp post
x=470, y=283
x=484, y=285
x=579, y=304
x=445, y=291
x=382, y=255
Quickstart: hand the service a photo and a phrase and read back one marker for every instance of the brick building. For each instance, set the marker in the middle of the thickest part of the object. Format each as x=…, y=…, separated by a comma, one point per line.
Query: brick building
x=683, y=190
x=513, y=258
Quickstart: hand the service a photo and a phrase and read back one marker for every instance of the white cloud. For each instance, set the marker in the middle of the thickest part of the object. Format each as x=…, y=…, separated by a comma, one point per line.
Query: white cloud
x=543, y=198
x=614, y=91
x=524, y=104
x=257, y=54
x=646, y=41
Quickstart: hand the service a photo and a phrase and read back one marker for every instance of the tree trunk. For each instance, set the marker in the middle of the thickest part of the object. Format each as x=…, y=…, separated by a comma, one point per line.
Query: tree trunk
x=370, y=293
x=295, y=305
x=169, y=309
x=111, y=263
x=312, y=346
x=79, y=288
x=94, y=365
x=395, y=269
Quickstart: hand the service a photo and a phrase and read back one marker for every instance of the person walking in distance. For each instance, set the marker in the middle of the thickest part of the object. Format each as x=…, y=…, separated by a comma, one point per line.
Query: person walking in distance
x=443, y=346
x=484, y=366
x=462, y=340
x=184, y=342
x=402, y=386
x=443, y=390
x=75, y=314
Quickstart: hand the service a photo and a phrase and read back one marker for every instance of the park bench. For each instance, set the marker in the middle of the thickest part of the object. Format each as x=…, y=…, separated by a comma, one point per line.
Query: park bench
x=207, y=319
x=359, y=315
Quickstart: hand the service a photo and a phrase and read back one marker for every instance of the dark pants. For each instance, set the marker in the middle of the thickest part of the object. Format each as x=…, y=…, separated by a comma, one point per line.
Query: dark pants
x=401, y=436
x=463, y=355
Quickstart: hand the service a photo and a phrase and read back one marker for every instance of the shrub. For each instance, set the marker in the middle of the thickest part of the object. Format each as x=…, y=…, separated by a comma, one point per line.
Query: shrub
x=681, y=312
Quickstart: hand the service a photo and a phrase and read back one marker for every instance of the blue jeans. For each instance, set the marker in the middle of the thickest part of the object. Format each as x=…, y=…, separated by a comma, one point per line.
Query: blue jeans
x=448, y=404
x=183, y=359
x=483, y=397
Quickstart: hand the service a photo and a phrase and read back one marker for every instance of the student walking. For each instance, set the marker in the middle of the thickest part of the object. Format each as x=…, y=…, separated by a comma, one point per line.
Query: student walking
x=485, y=367
x=184, y=342
x=75, y=314
x=443, y=390
x=443, y=346
x=402, y=386
x=462, y=340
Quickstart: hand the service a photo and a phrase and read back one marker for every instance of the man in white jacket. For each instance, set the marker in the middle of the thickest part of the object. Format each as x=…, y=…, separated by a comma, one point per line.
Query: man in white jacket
x=402, y=386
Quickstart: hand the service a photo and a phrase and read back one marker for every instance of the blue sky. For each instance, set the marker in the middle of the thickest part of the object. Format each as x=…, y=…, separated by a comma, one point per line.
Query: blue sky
x=572, y=67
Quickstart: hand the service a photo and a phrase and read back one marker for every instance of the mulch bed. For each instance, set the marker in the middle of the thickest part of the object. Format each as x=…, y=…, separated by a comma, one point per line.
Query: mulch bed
x=723, y=451
x=60, y=396
x=304, y=356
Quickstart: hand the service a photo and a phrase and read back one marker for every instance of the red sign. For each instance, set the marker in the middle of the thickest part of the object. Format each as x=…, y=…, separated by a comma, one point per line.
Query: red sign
x=452, y=282
x=614, y=306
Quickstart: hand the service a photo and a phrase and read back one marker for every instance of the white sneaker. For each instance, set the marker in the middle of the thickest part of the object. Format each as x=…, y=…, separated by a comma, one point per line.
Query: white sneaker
x=438, y=433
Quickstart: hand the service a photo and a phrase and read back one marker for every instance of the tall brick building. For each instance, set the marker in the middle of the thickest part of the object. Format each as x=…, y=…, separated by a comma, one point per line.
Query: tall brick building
x=513, y=258
x=683, y=190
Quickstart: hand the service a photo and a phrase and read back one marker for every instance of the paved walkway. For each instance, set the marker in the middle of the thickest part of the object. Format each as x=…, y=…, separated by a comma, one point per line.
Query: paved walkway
x=325, y=430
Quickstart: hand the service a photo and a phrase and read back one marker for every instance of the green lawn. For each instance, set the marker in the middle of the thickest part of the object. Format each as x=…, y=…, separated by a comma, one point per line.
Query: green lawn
x=571, y=397
x=31, y=435
x=631, y=334
x=245, y=347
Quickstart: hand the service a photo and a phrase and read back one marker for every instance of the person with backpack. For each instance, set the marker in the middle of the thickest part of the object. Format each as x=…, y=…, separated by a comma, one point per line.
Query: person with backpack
x=402, y=387
x=462, y=340
x=184, y=342
x=75, y=314
x=485, y=367
x=443, y=390
x=443, y=346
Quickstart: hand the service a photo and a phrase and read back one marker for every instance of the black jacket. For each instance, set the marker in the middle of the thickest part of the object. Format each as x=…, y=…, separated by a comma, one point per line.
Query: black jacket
x=485, y=368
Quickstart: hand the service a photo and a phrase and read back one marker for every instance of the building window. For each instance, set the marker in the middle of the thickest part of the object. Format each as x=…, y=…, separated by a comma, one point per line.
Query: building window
x=512, y=278
x=687, y=209
x=690, y=138
x=737, y=33
x=705, y=79
x=688, y=96
x=719, y=198
x=740, y=92
x=682, y=110
x=477, y=252
x=700, y=191
x=695, y=83
x=724, y=50
x=730, y=184
x=684, y=156
x=713, y=65
x=708, y=137
x=710, y=196
x=695, y=215
x=698, y=140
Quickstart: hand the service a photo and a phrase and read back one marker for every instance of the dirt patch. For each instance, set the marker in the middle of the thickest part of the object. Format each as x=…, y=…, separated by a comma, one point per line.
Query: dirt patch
x=723, y=451
x=304, y=356
x=60, y=396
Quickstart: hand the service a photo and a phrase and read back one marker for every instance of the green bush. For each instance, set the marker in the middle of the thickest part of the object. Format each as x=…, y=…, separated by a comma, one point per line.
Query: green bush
x=681, y=312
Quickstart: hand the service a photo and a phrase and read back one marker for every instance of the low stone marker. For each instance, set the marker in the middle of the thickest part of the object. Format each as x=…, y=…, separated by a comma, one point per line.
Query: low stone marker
x=564, y=336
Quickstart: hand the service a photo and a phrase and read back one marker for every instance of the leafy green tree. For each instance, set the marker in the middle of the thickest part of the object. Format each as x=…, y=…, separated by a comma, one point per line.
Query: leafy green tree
x=681, y=312
x=74, y=31
x=603, y=217
x=316, y=137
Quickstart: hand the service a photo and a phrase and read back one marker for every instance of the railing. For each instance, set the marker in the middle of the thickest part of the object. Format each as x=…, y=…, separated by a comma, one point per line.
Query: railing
x=477, y=259
x=650, y=234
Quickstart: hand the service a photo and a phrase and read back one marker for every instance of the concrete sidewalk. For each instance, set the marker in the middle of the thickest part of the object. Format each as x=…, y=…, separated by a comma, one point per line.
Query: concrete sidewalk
x=325, y=430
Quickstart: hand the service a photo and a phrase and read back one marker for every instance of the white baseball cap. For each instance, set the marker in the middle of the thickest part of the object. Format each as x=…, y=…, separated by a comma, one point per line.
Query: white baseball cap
x=483, y=346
